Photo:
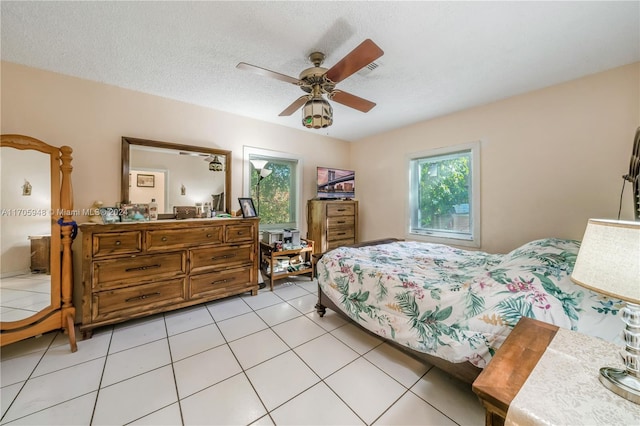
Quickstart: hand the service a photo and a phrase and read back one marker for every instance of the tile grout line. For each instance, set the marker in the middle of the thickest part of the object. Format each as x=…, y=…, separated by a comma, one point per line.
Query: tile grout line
x=27, y=379
x=244, y=372
x=104, y=367
x=173, y=370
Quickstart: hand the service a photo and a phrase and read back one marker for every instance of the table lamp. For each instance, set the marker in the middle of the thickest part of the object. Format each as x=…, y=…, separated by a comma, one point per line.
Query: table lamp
x=609, y=263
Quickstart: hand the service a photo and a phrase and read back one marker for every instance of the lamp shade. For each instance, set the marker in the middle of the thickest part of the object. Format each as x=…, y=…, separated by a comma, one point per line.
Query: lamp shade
x=215, y=165
x=317, y=113
x=609, y=259
x=265, y=172
x=259, y=164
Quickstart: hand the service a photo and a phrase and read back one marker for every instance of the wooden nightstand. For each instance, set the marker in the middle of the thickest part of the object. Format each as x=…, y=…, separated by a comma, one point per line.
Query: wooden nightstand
x=501, y=380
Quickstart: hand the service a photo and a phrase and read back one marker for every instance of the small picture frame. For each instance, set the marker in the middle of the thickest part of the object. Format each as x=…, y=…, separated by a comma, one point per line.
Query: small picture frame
x=110, y=215
x=247, y=207
x=146, y=181
x=134, y=212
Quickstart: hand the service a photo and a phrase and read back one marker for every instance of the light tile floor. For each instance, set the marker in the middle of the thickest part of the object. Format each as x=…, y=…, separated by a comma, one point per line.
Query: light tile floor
x=261, y=360
x=23, y=295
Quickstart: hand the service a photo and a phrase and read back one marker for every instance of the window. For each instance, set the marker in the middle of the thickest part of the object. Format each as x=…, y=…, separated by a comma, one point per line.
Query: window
x=277, y=203
x=444, y=195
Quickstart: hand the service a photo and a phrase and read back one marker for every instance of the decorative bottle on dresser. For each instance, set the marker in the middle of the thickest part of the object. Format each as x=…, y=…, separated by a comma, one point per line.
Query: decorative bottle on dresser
x=153, y=210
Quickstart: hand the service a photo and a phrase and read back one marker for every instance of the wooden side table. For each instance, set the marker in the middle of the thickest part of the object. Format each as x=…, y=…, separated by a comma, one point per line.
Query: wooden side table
x=500, y=381
x=269, y=255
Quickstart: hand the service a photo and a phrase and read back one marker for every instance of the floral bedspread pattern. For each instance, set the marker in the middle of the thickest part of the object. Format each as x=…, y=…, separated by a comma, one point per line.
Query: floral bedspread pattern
x=460, y=305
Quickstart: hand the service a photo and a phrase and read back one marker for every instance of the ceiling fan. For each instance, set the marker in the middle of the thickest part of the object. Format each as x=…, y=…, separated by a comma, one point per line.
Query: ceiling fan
x=318, y=81
x=215, y=165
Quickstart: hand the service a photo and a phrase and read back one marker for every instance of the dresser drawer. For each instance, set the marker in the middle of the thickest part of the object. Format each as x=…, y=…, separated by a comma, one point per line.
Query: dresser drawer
x=239, y=233
x=132, y=300
x=340, y=233
x=163, y=239
x=129, y=242
x=125, y=271
x=339, y=243
x=341, y=221
x=220, y=257
x=221, y=283
x=341, y=209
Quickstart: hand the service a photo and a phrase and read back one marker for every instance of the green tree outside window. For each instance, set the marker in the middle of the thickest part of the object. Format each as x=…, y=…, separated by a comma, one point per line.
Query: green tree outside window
x=444, y=190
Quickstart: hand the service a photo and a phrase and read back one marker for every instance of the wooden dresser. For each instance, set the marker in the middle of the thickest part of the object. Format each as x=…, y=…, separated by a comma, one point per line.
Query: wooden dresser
x=332, y=223
x=135, y=269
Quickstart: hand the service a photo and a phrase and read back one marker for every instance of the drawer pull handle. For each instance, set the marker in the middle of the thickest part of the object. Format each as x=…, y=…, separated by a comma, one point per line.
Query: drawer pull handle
x=342, y=233
x=118, y=243
x=342, y=210
x=226, y=256
x=341, y=221
x=164, y=238
x=219, y=282
x=144, y=296
x=209, y=235
x=142, y=268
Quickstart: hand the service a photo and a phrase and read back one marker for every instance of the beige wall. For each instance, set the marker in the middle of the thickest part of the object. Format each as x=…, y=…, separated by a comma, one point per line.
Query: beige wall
x=550, y=159
x=91, y=118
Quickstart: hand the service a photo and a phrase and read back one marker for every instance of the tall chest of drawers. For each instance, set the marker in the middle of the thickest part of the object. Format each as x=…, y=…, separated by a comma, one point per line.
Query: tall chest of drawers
x=135, y=269
x=332, y=223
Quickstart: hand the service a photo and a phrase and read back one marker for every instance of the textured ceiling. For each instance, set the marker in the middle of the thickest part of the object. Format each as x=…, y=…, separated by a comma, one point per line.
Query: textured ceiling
x=440, y=57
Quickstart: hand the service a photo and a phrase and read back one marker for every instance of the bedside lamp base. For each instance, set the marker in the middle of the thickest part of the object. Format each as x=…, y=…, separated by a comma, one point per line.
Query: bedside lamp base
x=621, y=383
x=626, y=383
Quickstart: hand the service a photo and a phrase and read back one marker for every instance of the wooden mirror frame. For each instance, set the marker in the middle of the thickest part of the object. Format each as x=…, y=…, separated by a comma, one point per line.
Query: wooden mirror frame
x=126, y=167
x=60, y=314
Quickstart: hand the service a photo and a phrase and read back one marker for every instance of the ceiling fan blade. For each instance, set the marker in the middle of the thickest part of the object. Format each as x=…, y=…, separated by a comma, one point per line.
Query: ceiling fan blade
x=352, y=101
x=358, y=58
x=294, y=106
x=268, y=73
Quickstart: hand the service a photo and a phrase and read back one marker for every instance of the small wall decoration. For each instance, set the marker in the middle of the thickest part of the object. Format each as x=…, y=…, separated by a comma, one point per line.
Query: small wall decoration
x=134, y=212
x=146, y=181
x=110, y=214
x=247, y=207
x=26, y=188
x=183, y=190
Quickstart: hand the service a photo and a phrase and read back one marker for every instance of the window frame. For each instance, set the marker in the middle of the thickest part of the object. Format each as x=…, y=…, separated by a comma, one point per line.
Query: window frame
x=265, y=154
x=457, y=239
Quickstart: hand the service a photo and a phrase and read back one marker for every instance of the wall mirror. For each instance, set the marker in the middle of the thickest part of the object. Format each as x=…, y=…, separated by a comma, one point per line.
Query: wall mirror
x=175, y=175
x=36, y=282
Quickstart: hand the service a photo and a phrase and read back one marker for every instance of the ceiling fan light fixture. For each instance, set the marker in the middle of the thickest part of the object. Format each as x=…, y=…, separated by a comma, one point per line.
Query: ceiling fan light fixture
x=317, y=113
x=215, y=165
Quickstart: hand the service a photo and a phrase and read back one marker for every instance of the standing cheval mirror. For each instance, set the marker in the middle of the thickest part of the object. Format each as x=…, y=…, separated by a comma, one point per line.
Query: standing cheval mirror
x=36, y=232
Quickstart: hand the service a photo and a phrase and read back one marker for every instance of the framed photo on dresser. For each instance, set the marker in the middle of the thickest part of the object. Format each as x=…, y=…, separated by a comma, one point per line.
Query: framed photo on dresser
x=134, y=212
x=110, y=214
x=247, y=207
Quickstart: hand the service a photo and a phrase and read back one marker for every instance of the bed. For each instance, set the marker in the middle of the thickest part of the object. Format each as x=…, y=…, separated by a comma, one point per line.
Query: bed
x=453, y=307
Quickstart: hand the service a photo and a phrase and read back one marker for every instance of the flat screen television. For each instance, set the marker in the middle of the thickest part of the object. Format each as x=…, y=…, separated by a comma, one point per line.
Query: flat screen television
x=336, y=183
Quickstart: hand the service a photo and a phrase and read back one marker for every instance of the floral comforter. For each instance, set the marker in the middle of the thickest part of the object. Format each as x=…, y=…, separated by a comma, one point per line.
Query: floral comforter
x=460, y=305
